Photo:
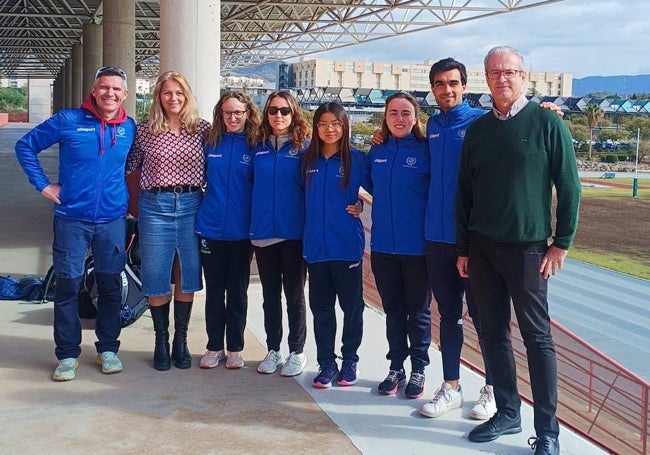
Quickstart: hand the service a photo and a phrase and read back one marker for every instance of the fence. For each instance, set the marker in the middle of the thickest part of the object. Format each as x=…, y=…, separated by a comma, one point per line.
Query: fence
x=597, y=397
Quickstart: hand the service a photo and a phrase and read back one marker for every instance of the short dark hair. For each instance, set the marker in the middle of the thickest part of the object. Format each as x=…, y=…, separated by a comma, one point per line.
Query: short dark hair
x=448, y=64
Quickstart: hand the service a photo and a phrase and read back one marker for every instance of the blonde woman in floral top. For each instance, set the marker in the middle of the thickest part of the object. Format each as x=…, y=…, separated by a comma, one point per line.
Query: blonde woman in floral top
x=169, y=150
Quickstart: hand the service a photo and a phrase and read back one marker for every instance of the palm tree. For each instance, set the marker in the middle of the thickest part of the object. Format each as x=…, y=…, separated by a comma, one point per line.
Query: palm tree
x=594, y=116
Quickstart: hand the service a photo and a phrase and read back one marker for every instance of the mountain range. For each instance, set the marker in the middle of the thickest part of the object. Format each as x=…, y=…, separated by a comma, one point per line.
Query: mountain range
x=604, y=85
x=618, y=85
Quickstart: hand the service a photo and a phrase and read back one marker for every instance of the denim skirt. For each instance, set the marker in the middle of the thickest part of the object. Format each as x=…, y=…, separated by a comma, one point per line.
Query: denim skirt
x=166, y=221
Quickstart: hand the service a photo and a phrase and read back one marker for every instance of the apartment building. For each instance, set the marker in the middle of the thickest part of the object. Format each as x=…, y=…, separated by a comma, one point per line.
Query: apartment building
x=409, y=77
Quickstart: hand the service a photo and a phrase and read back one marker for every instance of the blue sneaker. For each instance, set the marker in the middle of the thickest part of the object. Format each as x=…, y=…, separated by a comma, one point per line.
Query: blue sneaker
x=348, y=374
x=325, y=376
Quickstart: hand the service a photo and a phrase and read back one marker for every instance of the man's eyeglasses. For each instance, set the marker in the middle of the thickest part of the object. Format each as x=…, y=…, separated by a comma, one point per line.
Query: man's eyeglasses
x=273, y=110
x=508, y=74
x=110, y=71
x=236, y=114
x=324, y=126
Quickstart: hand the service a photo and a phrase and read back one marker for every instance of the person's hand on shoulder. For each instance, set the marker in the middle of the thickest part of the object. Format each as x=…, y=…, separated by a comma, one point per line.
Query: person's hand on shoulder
x=377, y=137
x=52, y=192
x=552, y=107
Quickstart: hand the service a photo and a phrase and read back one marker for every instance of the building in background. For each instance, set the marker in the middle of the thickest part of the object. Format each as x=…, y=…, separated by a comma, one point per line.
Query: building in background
x=409, y=77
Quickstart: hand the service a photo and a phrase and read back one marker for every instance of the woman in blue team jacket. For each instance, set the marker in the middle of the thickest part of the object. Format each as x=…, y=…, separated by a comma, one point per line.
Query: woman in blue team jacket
x=222, y=225
x=334, y=241
x=277, y=225
x=400, y=171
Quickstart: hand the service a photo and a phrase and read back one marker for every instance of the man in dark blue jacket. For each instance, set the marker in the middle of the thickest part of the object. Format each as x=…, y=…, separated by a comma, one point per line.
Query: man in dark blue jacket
x=446, y=131
x=89, y=213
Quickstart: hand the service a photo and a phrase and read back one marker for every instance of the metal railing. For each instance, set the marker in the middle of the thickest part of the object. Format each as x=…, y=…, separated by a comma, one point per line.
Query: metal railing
x=597, y=396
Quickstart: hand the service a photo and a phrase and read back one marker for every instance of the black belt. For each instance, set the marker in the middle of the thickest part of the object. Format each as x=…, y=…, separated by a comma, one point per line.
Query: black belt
x=177, y=189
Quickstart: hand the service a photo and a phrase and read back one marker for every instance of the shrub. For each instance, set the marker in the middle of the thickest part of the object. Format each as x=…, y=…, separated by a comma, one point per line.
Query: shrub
x=610, y=158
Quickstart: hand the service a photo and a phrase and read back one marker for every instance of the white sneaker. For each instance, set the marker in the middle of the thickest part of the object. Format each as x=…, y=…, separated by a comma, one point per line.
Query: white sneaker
x=211, y=359
x=445, y=399
x=294, y=365
x=270, y=362
x=485, y=407
x=234, y=360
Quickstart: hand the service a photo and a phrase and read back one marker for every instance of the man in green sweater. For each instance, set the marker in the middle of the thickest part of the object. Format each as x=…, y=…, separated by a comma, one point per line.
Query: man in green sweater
x=511, y=160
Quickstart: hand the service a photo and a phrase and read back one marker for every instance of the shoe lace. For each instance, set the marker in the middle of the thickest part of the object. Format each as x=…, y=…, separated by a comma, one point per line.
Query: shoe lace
x=394, y=376
x=485, y=397
x=348, y=368
x=327, y=370
x=294, y=359
x=534, y=442
x=442, y=394
x=417, y=379
x=271, y=355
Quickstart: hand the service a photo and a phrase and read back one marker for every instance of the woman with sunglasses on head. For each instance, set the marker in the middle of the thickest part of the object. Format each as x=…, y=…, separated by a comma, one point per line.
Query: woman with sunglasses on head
x=169, y=149
x=222, y=224
x=334, y=242
x=277, y=225
x=400, y=171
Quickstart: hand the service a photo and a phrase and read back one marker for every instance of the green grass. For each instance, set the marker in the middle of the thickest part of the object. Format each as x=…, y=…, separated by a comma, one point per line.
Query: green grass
x=616, y=262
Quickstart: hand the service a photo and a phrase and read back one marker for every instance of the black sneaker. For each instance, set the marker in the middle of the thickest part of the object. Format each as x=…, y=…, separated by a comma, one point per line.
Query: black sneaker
x=415, y=387
x=394, y=380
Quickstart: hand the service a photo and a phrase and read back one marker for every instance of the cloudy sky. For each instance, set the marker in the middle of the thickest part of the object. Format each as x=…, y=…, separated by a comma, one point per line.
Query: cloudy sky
x=582, y=37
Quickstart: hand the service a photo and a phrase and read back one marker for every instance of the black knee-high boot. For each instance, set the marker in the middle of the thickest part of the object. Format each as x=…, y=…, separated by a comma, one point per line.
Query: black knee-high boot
x=161, y=358
x=180, y=354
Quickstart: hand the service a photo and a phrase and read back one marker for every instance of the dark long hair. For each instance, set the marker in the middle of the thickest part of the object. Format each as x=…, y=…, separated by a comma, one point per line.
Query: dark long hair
x=314, y=151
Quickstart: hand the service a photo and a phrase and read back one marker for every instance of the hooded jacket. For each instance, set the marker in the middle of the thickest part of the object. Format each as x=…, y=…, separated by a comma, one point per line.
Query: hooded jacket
x=446, y=132
x=92, y=159
x=400, y=171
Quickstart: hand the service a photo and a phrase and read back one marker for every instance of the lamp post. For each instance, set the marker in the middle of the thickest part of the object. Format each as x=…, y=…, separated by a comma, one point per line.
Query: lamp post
x=635, y=182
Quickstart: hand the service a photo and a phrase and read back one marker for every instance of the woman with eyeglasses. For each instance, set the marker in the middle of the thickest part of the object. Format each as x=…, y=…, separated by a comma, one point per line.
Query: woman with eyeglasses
x=334, y=242
x=276, y=231
x=169, y=150
x=222, y=224
x=400, y=171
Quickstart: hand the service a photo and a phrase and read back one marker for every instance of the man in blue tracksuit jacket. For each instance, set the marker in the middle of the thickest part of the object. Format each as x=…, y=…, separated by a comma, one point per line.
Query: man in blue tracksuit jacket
x=446, y=131
x=89, y=212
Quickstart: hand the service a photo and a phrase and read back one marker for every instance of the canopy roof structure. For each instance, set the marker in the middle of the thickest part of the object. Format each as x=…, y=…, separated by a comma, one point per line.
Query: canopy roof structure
x=36, y=36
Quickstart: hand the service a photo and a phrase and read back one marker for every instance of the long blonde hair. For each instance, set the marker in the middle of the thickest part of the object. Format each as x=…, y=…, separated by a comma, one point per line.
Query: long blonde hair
x=189, y=114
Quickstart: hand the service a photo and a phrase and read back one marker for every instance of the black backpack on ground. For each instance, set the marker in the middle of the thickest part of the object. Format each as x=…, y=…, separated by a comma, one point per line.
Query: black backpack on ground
x=134, y=304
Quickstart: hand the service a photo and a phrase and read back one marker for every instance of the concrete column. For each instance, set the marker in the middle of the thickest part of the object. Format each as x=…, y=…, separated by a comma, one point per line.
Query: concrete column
x=68, y=84
x=77, y=75
x=39, y=100
x=58, y=93
x=119, y=42
x=190, y=44
x=92, y=55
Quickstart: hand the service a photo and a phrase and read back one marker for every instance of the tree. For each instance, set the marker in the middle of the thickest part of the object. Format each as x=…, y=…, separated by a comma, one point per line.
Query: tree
x=594, y=116
x=643, y=124
x=13, y=99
